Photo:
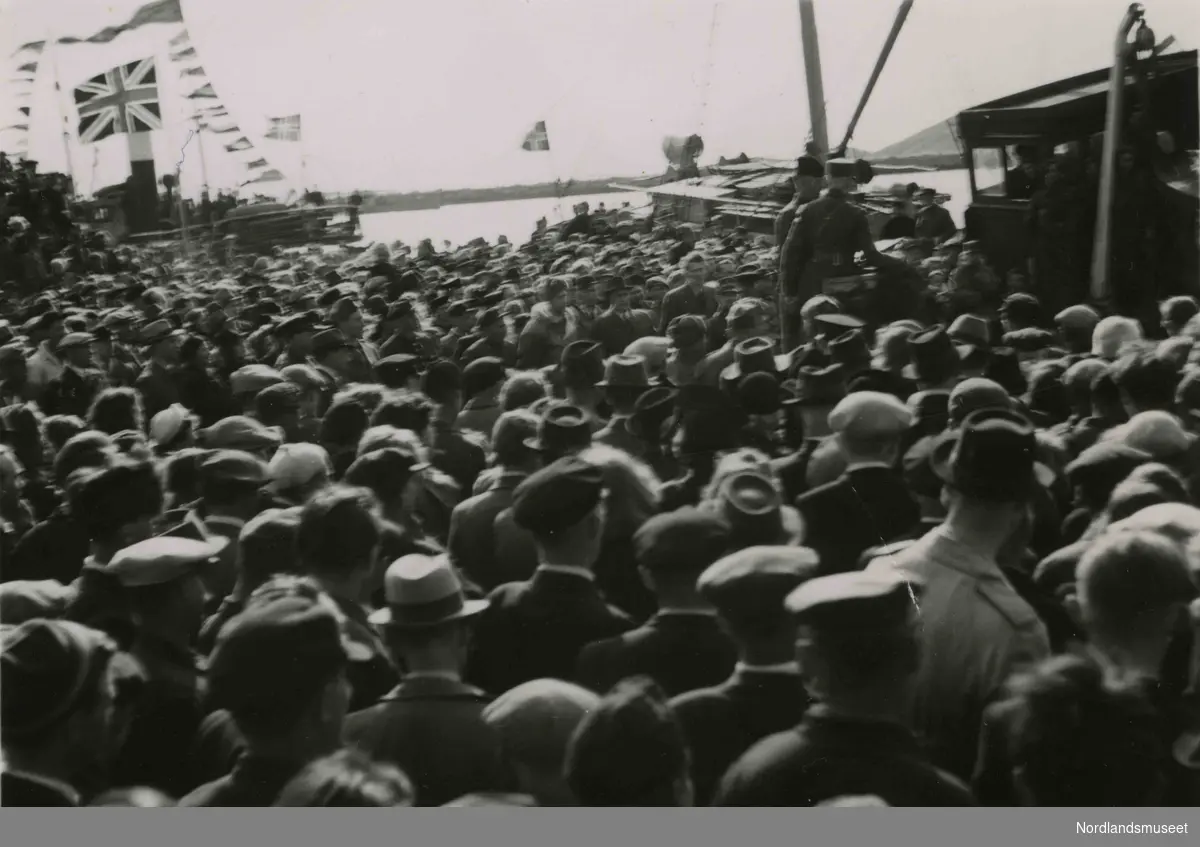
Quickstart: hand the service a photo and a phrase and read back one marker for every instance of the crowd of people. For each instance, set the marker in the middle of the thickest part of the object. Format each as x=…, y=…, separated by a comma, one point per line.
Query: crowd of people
x=563, y=525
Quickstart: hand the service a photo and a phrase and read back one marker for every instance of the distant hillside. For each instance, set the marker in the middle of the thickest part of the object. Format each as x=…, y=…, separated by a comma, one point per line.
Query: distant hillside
x=935, y=146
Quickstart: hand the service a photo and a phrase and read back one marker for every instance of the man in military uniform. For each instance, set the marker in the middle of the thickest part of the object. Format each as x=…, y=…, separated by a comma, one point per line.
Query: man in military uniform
x=933, y=221
x=823, y=240
x=806, y=184
x=975, y=629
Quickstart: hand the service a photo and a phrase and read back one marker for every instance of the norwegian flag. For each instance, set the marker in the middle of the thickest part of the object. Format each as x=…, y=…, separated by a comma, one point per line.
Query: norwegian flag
x=124, y=99
x=286, y=128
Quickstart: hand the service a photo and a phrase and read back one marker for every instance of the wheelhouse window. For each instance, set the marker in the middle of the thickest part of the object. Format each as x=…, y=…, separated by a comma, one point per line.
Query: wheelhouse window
x=988, y=172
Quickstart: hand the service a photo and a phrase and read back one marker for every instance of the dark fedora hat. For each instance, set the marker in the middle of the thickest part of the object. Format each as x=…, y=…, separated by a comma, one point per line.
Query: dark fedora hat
x=583, y=358
x=754, y=355
x=652, y=409
x=934, y=356
x=851, y=350
x=563, y=427
x=992, y=456
x=624, y=371
x=818, y=387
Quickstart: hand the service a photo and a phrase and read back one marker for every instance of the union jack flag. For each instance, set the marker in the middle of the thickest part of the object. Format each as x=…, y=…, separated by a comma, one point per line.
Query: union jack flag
x=286, y=128
x=124, y=99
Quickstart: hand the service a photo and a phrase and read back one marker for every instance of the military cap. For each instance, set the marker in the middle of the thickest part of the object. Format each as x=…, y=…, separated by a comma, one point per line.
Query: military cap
x=160, y=560
x=282, y=648
x=809, y=166
x=837, y=323
x=296, y=324
x=46, y=668
x=328, y=340
x=558, y=496
x=854, y=602
x=687, y=539
x=482, y=373
x=866, y=414
x=251, y=379
x=75, y=339
x=156, y=331
x=423, y=591
x=751, y=584
x=974, y=394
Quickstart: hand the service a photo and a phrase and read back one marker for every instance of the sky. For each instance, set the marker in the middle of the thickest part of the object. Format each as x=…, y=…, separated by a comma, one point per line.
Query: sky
x=408, y=95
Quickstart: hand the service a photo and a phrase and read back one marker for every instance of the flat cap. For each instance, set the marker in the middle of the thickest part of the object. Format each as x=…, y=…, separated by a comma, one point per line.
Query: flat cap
x=45, y=670
x=298, y=464
x=856, y=601
x=687, y=539
x=241, y=433
x=75, y=339
x=536, y=719
x=234, y=466
x=482, y=373
x=160, y=560
x=251, y=379
x=974, y=394
x=752, y=583
x=870, y=414
x=558, y=496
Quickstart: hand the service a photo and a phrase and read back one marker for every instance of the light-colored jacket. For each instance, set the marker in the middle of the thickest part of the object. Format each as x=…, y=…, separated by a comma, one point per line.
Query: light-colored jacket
x=976, y=631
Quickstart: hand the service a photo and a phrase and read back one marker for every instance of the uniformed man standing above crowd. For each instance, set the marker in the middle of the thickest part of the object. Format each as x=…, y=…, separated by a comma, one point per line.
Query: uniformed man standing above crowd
x=933, y=221
x=806, y=182
x=823, y=240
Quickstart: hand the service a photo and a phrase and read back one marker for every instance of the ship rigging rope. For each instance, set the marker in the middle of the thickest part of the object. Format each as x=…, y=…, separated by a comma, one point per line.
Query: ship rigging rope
x=707, y=68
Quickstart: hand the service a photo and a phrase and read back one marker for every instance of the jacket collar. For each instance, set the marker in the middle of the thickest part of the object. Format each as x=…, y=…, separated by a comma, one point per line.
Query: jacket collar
x=428, y=686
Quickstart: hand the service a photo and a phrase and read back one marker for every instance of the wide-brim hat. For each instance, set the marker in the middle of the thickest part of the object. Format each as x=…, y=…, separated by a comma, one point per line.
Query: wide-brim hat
x=935, y=357
x=992, y=456
x=654, y=408
x=422, y=592
x=814, y=386
x=562, y=427
x=625, y=371
x=754, y=355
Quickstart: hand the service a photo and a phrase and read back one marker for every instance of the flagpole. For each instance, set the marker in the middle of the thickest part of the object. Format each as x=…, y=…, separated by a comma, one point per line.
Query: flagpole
x=203, y=162
x=62, y=115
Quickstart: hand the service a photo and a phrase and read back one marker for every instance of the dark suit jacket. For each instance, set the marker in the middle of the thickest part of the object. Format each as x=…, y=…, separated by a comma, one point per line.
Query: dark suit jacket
x=537, y=628
x=827, y=757
x=865, y=507
x=472, y=541
x=159, y=389
x=71, y=394
x=681, y=300
x=614, y=331
x=723, y=722
x=678, y=650
x=433, y=730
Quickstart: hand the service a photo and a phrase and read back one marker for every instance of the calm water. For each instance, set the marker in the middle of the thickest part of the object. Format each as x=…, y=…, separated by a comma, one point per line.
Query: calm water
x=516, y=218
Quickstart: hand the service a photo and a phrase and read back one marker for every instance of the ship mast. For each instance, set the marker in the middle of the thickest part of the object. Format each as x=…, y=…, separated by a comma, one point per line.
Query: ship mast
x=812, y=76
